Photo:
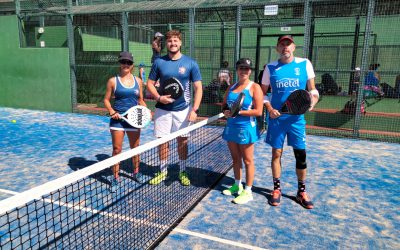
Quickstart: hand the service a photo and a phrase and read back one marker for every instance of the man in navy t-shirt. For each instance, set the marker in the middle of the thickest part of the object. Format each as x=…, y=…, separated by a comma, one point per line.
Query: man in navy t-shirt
x=172, y=115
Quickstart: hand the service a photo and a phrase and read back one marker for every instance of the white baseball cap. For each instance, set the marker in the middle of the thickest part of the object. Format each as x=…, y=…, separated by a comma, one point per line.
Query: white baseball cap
x=158, y=34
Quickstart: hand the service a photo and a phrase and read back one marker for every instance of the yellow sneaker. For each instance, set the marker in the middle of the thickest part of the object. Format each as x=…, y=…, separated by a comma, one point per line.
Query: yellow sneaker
x=244, y=197
x=160, y=176
x=184, y=178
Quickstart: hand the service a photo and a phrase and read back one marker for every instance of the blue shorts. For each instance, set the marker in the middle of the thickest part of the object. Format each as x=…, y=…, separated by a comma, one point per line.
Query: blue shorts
x=293, y=128
x=241, y=135
x=121, y=125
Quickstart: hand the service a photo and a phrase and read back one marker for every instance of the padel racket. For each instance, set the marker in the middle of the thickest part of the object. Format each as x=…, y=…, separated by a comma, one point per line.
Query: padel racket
x=297, y=103
x=137, y=116
x=237, y=105
x=172, y=87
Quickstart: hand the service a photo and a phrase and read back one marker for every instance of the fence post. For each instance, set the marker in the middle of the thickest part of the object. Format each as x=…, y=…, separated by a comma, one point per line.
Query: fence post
x=124, y=31
x=364, y=62
x=307, y=28
x=191, y=31
x=72, y=63
x=237, y=35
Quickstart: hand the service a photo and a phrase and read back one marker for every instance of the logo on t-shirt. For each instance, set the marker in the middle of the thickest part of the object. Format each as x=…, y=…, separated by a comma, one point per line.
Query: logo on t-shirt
x=288, y=82
x=297, y=71
x=182, y=70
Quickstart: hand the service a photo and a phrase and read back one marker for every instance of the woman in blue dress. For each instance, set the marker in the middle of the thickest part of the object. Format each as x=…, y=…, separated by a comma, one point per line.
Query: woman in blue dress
x=241, y=132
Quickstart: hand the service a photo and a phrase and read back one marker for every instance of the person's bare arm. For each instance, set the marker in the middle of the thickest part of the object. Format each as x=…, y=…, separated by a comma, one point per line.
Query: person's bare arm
x=313, y=91
x=107, y=97
x=198, y=94
x=141, y=99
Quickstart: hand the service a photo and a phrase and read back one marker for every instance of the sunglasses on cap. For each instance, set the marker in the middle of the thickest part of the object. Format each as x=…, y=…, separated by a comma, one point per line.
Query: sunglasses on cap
x=126, y=62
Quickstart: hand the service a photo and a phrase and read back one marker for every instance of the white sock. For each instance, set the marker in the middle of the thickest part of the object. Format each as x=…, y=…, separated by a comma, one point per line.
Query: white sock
x=238, y=182
x=164, y=166
x=248, y=189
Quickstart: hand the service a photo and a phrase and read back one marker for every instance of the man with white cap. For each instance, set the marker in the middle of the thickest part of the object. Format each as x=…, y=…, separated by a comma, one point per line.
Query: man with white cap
x=156, y=46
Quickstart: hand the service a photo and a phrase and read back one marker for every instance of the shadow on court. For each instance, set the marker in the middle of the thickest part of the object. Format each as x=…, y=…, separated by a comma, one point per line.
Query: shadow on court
x=353, y=186
x=199, y=177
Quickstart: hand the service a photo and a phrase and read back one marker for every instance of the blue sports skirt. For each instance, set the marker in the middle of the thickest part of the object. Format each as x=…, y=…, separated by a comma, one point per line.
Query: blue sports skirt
x=241, y=135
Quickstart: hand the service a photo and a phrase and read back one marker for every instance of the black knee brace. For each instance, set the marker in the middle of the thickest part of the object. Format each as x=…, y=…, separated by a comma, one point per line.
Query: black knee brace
x=300, y=155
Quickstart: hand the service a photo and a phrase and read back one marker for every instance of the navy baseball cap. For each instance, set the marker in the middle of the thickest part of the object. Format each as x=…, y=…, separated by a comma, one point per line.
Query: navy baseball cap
x=125, y=55
x=244, y=63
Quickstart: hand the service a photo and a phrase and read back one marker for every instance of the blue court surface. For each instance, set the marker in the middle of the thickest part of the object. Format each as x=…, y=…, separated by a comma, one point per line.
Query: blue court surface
x=354, y=185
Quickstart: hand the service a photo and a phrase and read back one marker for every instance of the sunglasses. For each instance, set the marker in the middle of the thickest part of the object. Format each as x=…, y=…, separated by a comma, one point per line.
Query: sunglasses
x=126, y=62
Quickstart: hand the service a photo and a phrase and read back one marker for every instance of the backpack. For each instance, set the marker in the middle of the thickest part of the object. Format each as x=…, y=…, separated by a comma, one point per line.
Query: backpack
x=350, y=107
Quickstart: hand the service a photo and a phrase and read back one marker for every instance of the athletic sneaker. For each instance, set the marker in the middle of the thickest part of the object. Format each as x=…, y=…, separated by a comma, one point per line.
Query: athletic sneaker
x=139, y=178
x=234, y=189
x=304, y=200
x=244, y=197
x=160, y=176
x=114, y=185
x=276, y=198
x=184, y=178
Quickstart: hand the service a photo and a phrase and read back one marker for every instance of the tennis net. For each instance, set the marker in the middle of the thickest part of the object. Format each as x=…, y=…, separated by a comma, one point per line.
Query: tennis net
x=78, y=211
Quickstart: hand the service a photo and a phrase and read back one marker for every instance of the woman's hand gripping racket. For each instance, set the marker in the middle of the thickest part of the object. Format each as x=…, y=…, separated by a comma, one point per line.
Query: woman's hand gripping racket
x=137, y=116
x=172, y=87
x=236, y=106
x=297, y=103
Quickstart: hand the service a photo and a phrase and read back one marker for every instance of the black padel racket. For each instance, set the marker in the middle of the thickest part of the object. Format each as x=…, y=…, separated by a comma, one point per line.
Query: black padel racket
x=297, y=103
x=237, y=105
x=172, y=87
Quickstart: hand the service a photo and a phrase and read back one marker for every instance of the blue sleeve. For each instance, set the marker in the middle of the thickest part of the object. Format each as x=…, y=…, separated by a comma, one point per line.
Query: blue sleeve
x=195, y=73
x=154, y=72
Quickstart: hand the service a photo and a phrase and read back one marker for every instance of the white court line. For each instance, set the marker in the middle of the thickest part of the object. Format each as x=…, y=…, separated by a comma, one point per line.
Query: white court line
x=219, y=240
x=8, y=191
x=126, y=218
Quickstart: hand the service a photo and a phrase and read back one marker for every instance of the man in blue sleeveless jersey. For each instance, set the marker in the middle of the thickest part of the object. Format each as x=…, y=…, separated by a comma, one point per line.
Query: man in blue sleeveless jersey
x=286, y=75
x=172, y=115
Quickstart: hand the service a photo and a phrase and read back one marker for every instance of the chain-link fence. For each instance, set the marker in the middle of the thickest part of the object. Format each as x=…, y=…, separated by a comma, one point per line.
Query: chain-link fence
x=350, y=43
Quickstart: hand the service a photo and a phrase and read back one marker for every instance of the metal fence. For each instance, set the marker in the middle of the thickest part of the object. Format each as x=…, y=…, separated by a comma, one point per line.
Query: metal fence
x=341, y=38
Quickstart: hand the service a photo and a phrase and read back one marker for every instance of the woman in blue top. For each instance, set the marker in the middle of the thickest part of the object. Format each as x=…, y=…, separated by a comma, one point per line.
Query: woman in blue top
x=372, y=80
x=241, y=131
x=127, y=92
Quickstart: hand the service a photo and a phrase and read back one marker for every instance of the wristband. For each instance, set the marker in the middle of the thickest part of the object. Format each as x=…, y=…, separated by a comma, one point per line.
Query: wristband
x=158, y=99
x=315, y=93
x=267, y=99
x=113, y=113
